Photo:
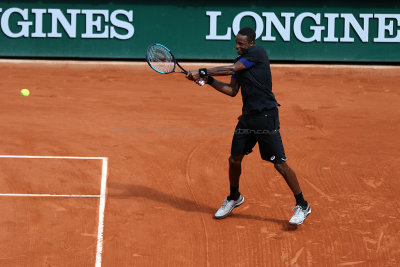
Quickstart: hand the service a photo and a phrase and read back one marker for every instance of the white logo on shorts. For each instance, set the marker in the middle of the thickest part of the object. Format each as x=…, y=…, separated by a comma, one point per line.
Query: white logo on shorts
x=272, y=158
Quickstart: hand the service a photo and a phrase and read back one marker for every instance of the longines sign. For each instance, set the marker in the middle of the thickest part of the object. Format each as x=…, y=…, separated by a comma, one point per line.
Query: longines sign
x=388, y=26
x=104, y=24
x=99, y=23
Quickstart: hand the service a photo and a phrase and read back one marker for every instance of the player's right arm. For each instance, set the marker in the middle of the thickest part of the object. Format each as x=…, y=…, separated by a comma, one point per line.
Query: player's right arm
x=219, y=71
x=230, y=89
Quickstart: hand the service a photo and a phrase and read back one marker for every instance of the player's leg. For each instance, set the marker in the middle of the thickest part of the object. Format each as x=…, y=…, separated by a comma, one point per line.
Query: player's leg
x=302, y=209
x=271, y=149
x=235, y=169
x=235, y=199
x=242, y=144
x=290, y=177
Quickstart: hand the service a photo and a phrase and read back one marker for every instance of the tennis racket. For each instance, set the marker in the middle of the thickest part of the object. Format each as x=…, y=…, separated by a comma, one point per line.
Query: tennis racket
x=161, y=59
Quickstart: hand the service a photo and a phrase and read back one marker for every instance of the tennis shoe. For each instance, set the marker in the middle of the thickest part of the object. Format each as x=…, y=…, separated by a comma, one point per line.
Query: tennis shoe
x=228, y=206
x=300, y=214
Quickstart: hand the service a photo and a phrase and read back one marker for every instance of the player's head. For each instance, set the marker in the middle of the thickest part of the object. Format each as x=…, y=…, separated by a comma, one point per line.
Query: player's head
x=244, y=40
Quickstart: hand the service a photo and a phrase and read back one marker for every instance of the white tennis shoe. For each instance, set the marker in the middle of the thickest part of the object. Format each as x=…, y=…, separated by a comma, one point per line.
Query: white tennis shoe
x=300, y=214
x=228, y=206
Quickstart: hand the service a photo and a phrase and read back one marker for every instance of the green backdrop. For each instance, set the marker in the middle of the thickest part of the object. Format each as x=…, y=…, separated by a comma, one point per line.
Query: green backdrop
x=183, y=26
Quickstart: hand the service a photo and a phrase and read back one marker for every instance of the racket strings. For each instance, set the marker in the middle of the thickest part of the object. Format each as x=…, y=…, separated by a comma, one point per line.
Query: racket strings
x=160, y=59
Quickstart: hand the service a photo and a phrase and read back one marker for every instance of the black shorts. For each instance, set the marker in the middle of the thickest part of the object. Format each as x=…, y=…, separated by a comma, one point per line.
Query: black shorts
x=262, y=128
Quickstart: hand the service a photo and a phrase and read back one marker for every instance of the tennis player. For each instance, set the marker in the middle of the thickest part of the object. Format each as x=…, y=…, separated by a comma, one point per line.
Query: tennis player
x=259, y=122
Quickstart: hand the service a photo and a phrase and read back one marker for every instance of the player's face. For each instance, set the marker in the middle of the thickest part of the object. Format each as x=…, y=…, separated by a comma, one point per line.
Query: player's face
x=243, y=44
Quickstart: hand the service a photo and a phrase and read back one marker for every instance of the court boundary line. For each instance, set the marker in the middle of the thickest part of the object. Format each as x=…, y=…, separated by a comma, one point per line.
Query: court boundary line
x=48, y=157
x=205, y=63
x=47, y=195
x=102, y=206
x=102, y=196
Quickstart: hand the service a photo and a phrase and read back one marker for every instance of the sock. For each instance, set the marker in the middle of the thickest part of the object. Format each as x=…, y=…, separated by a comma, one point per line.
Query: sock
x=234, y=193
x=300, y=200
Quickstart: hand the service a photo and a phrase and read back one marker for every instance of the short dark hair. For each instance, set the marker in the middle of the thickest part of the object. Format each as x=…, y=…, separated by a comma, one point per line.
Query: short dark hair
x=249, y=32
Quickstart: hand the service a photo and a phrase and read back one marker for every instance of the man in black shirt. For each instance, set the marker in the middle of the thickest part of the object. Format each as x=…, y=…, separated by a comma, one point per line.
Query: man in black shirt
x=259, y=122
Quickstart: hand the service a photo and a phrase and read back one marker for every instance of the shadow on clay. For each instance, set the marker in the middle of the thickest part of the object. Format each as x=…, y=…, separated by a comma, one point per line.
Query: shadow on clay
x=118, y=190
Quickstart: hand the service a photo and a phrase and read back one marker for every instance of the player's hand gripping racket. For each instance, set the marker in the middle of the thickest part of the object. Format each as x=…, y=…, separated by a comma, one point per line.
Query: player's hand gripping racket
x=161, y=59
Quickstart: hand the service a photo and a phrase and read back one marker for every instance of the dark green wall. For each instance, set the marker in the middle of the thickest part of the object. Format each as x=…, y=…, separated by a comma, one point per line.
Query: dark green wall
x=183, y=28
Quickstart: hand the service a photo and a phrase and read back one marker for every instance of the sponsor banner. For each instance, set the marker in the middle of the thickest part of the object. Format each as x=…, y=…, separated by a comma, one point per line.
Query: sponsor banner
x=313, y=31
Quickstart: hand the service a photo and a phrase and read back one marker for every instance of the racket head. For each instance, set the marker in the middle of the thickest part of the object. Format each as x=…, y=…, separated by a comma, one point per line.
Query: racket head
x=160, y=58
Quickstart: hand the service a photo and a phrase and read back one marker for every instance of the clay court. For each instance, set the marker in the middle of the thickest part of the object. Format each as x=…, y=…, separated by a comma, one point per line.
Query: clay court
x=153, y=150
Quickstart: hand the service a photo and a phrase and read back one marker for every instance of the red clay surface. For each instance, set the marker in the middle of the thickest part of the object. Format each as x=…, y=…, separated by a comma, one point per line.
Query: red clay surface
x=56, y=176
x=168, y=143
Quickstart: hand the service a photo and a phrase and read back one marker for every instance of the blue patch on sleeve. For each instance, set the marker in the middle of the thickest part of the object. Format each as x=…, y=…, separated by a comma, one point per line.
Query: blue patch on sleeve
x=246, y=63
x=233, y=76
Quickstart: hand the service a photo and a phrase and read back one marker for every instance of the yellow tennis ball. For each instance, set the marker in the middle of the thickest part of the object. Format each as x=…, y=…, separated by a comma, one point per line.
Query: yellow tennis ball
x=25, y=92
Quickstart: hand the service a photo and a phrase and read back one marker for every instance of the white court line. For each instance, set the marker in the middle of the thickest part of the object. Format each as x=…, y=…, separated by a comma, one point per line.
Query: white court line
x=205, y=63
x=336, y=66
x=48, y=157
x=75, y=62
x=45, y=195
x=102, y=196
x=104, y=173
